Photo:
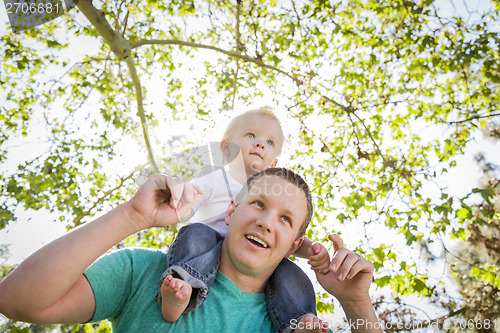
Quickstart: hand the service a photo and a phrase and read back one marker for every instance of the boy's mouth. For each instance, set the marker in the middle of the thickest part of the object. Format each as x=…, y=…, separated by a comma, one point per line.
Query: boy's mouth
x=257, y=154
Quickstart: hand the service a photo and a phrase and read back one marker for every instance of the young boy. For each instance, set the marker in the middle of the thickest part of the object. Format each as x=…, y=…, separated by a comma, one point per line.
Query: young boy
x=193, y=257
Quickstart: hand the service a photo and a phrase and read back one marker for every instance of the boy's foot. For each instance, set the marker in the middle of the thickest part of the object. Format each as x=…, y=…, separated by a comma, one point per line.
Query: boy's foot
x=175, y=295
x=311, y=324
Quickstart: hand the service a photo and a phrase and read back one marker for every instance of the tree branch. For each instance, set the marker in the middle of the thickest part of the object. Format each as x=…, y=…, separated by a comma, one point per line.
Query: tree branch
x=344, y=108
x=239, y=46
x=371, y=137
x=140, y=110
x=235, y=83
x=386, y=163
x=125, y=22
x=397, y=327
x=474, y=118
x=349, y=111
x=119, y=45
x=243, y=57
x=334, y=174
x=78, y=220
x=258, y=62
x=122, y=48
x=114, y=39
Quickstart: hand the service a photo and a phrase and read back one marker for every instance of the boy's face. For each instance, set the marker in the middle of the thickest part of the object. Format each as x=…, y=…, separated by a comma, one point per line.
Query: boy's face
x=259, y=138
x=263, y=228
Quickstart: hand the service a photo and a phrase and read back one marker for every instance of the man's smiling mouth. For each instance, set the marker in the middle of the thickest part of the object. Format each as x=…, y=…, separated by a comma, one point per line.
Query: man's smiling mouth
x=257, y=241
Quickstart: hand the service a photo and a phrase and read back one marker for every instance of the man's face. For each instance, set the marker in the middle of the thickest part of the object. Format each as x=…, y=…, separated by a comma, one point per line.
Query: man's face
x=259, y=138
x=263, y=228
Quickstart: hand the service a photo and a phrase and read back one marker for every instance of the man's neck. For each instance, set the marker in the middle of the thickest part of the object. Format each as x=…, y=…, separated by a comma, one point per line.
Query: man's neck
x=246, y=282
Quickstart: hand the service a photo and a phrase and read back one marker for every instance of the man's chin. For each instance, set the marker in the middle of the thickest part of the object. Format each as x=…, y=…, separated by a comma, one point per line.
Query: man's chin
x=253, y=260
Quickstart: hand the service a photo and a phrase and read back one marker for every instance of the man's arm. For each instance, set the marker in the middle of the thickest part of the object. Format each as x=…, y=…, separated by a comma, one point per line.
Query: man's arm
x=349, y=280
x=49, y=286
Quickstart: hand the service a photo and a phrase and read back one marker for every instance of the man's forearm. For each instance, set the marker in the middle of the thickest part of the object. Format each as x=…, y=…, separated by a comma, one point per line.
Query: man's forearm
x=361, y=317
x=43, y=278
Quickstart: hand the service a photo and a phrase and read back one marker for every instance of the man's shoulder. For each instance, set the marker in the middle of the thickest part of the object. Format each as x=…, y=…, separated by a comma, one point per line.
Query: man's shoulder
x=140, y=253
x=134, y=256
x=135, y=264
x=123, y=280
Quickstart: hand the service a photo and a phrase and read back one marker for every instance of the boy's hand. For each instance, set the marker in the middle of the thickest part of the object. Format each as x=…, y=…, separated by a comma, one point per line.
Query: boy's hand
x=161, y=201
x=319, y=259
x=349, y=276
x=310, y=323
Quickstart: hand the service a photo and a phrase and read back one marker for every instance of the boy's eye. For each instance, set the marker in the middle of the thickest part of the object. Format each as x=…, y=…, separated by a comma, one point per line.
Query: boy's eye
x=270, y=143
x=286, y=219
x=250, y=135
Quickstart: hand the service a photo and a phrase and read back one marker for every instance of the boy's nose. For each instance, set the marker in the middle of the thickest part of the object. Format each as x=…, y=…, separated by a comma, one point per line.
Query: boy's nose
x=259, y=144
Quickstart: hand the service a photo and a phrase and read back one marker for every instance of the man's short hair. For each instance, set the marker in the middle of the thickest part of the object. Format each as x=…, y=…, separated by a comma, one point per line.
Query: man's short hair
x=293, y=178
x=266, y=111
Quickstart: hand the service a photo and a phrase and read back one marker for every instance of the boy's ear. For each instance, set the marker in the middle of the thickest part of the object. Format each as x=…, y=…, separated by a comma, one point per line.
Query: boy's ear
x=295, y=246
x=229, y=212
x=274, y=163
x=224, y=146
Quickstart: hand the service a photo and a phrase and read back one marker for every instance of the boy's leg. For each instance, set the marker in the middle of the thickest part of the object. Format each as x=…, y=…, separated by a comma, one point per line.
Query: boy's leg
x=175, y=296
x=194, y=257
x=289, y=296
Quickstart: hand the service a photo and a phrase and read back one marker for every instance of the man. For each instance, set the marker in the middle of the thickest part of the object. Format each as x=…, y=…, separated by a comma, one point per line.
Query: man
x=55, y=286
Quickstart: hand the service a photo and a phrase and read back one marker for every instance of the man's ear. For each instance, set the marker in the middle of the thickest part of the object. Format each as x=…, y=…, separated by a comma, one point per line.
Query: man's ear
x=229, y=212
x=295, y=246
x=274, y=163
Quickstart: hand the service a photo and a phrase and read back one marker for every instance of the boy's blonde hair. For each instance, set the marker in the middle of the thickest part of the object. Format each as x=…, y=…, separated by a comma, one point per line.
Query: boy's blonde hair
x=265, y=111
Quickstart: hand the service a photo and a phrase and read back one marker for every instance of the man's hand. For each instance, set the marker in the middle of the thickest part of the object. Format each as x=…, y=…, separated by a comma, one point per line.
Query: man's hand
x=349, y=280
x=349, y=276
x=161, y=201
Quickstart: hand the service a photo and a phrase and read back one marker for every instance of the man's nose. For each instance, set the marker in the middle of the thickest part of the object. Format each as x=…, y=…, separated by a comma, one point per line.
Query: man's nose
x=265, y=221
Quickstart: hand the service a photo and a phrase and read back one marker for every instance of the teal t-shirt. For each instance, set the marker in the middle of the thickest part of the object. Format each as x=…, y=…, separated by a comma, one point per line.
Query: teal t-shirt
x=125, y=285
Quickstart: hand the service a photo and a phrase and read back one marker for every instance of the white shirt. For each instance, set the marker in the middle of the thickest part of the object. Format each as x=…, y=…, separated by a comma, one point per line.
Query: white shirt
x=219, y=188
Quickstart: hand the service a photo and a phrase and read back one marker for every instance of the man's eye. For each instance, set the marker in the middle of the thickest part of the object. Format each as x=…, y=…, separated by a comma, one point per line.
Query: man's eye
x=258, y=204
x=250, y=135
x=270, y=143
